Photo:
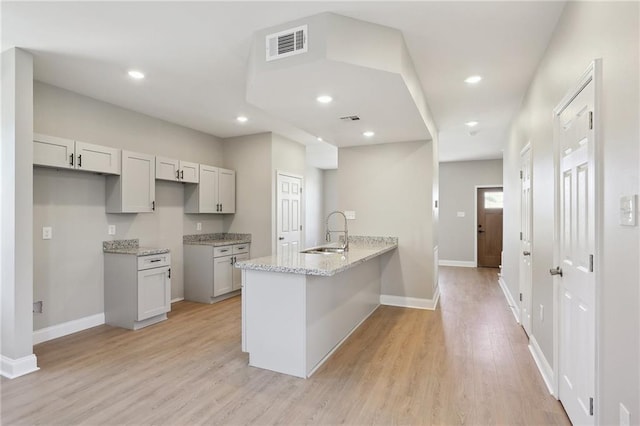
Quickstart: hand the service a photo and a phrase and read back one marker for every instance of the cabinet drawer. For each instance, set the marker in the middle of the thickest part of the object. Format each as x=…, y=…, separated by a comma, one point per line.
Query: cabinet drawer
x=154, y=261
x=222, y=251
x=240, y=248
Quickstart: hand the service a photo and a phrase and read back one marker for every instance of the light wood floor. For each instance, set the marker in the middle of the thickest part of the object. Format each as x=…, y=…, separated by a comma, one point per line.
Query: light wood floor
x=465, y=363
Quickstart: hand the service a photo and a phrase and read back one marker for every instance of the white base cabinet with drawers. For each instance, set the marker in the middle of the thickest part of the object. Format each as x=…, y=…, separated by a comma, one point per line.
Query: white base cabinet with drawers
x=209, y=274
x=137, y=289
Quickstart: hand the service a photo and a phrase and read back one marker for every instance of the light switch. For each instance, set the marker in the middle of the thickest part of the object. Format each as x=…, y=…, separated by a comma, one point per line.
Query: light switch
x=461, y=214
x=350, y=214
x=111, y=230
x=628, y=210
x=199, y=226
x=47, y=233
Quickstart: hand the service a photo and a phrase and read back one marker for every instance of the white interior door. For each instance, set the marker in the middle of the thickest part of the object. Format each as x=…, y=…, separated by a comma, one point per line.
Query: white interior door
x=288, y=214
x=576, y=244
x=526, y=272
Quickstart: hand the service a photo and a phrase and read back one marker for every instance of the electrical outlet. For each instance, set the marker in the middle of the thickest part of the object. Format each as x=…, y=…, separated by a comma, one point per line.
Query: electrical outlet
x=111, y=230
x=37, y=307
x=47, y=233
x=461, y=214
x=625, y=418
x=541, y=313
x=198, y=226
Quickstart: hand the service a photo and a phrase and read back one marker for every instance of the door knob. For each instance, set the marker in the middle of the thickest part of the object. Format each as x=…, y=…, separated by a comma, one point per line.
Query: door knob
x=556, y=271
x=281, y=238
x=526, y=253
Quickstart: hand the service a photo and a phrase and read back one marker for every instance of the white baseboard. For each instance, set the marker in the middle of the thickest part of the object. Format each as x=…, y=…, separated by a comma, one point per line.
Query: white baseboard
x=177, y=299
x=515, y=307
x=411, y=302
x=543, y=365
x=66, y=328
x=12, y=368
x=458, y=263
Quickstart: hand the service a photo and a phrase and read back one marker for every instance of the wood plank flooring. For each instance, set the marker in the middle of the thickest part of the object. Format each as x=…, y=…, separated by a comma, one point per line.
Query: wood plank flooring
x=465, y=363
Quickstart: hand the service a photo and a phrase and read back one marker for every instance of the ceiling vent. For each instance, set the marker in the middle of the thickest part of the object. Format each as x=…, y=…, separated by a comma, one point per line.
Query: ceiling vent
x=350, y=118
x=287, y=43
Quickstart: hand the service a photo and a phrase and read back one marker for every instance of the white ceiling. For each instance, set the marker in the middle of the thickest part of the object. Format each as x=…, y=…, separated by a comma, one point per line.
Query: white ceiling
x=195, y=56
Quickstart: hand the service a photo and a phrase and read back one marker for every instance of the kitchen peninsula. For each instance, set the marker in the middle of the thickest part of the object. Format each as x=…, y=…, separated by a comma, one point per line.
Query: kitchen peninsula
x=299, y=307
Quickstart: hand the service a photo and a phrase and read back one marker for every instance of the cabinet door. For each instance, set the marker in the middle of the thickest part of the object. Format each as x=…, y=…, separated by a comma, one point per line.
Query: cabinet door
x=189, y=172
x=222, y=275
x=138, y=182
x=167, y=169
x=208, y=189
x=97, y=158
x=237, y=273
x=53, y=151
x=227, y=191
x=154, y=292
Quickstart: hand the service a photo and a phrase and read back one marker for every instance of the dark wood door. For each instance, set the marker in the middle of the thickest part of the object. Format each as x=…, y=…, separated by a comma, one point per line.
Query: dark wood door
x=490, y=203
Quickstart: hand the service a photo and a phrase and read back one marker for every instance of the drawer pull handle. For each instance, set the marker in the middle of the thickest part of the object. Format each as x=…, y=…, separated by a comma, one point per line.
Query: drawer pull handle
x=71, y=159
x=155, y=260
x=224, y=251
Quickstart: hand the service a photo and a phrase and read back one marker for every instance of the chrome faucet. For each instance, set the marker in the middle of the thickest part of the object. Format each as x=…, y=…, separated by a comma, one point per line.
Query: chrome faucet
x=345, y=246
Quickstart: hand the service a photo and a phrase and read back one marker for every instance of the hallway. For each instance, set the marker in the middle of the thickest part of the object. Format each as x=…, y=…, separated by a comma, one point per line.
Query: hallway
x=465, y=363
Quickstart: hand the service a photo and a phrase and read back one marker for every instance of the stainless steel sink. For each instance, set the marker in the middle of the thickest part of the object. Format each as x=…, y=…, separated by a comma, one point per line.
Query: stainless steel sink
x=324, y=250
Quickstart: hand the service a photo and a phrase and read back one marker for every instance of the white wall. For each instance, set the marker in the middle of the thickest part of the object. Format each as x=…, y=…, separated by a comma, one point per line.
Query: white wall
x=16, y=227
x=458, y=181
x=587, y=30
x=314, y=206
x=390, y=187
x=68, y=272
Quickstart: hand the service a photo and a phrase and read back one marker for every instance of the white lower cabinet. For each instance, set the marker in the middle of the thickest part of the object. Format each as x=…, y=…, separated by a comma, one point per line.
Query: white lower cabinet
x=137, y=289
x=209, y=272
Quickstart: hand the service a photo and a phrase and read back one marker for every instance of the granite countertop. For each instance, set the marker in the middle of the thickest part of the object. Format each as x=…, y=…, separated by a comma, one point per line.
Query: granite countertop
x=361, y=249
x=130, y=247
x=218, y=239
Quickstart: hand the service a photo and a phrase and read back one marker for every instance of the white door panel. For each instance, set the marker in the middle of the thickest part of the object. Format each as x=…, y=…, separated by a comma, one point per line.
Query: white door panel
x=576, y=249
x=526, y=251
x=289, y=200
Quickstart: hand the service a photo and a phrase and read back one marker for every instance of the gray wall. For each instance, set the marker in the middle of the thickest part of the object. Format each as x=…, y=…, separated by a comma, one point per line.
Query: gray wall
x=457, y=194
x=250, y=157
x=314, y=206
x=587, y=30
x=390, y=187
x=68, y=270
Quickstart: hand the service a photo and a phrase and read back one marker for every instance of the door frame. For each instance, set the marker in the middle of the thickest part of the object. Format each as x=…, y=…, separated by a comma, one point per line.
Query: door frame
x=275, y=207
x=527, y=147
x=593, y=74
x=475, y=220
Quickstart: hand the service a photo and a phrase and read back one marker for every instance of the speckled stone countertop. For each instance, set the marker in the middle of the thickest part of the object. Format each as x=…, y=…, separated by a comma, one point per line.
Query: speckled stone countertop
x=130, y=247
x=218, y=239
x=361, y=249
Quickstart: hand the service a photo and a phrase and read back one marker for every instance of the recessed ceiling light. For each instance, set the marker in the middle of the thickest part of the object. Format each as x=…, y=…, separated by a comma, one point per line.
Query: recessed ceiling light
x=319, y=139
x=242, y=119
x=471, y=123
x=324, y=99
x=368, y=133
x=473, y=79
x=136, y=74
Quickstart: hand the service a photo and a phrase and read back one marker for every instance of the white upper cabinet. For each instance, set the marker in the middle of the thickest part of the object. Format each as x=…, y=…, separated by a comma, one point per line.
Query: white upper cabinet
x=189, y=172
x=227, y=191
x=215, y=193
x=176, y=170
x=167, y=168
x=134, y=191
x=52, y=151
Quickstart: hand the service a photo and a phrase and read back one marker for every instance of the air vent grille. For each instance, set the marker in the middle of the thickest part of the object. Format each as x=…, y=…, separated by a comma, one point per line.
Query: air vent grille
x=286, y=43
